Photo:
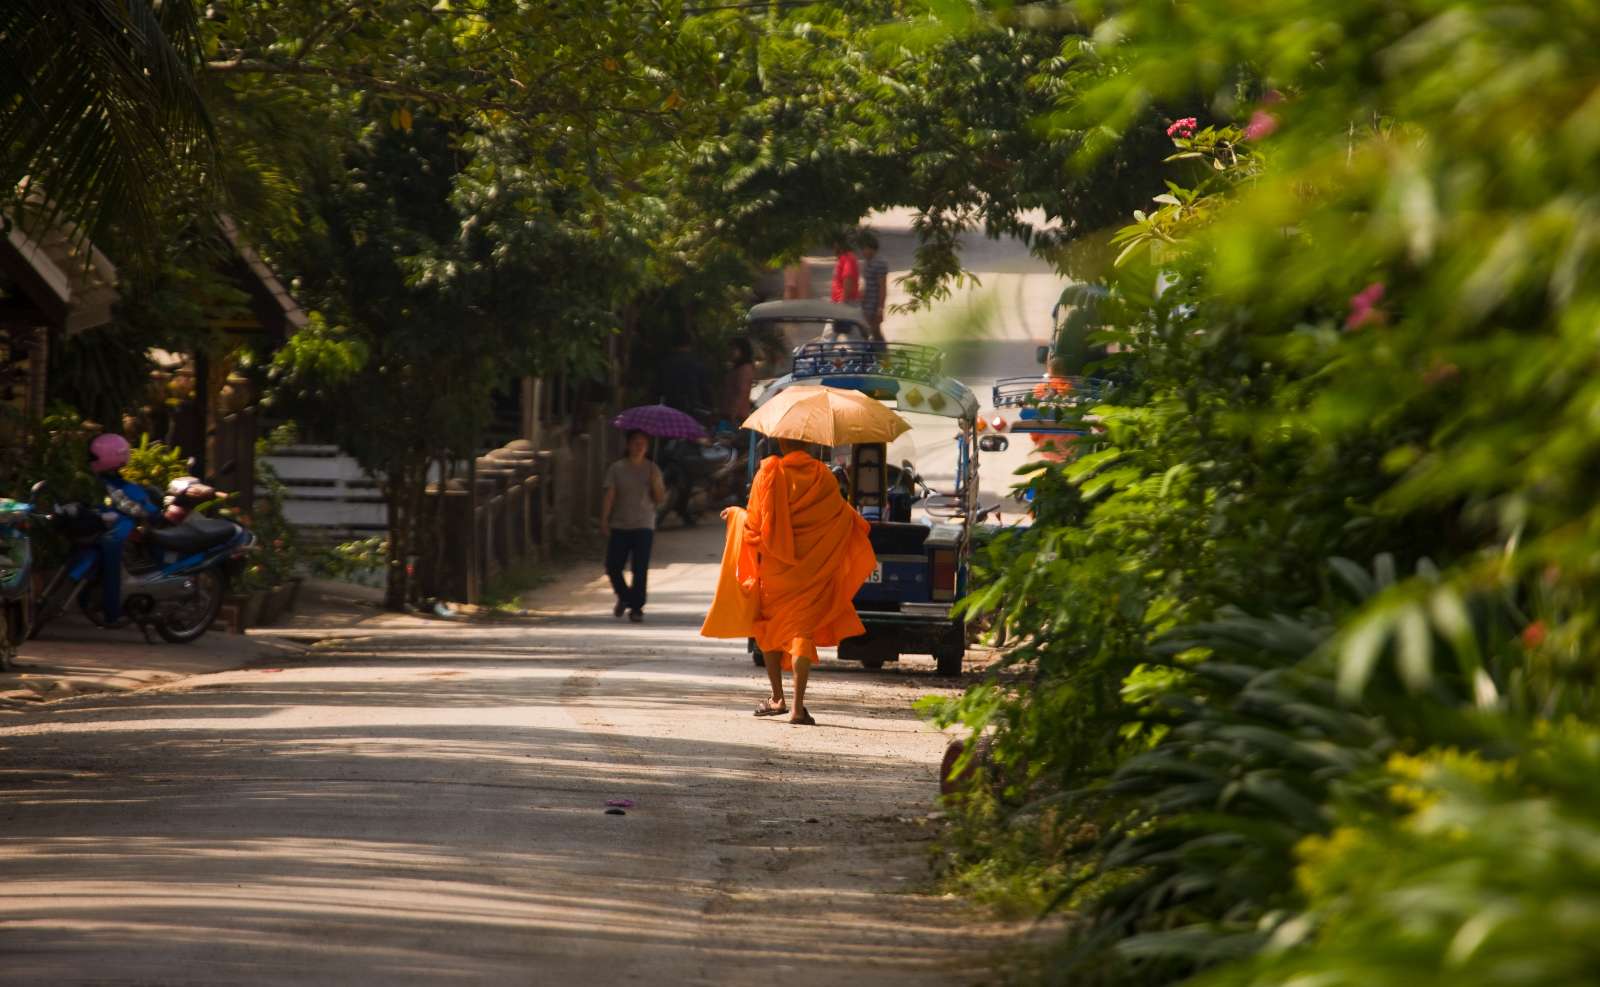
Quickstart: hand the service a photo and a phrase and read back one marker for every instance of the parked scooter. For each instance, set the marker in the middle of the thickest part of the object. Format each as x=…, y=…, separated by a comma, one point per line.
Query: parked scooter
x=16, y=575
x=173, y=577
x=700, y=476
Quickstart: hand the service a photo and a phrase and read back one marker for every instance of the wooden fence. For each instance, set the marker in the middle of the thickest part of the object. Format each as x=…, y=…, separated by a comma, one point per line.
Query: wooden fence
x=530, y=503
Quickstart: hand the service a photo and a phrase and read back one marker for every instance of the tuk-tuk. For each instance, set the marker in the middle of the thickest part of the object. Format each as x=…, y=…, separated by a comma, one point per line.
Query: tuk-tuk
x=1050, y=409
x=922, y=536
x=804, y=320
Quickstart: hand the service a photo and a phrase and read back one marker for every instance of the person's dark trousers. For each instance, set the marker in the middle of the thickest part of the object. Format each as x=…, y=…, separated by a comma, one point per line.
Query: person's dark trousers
x=626, y=542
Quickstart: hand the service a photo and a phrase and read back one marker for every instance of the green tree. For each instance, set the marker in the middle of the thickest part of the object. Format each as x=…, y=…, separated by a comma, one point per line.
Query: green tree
x=861, y=106
x=461, y=227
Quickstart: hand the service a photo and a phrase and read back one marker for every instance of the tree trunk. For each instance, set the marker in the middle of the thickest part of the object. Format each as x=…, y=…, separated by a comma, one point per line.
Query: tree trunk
x=397, y=588
x=474, y=572
x=623, y=343
x=418, y=494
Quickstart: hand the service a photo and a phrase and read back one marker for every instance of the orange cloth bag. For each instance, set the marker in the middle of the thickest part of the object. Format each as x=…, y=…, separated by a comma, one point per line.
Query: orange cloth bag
x=800, y=555
x=734, y=606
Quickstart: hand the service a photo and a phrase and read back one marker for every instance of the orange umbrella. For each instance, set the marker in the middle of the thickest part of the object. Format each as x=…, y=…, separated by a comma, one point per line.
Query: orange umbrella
x=828, y=416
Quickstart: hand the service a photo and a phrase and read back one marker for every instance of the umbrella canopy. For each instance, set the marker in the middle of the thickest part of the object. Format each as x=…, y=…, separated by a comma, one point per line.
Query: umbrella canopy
x=660, y=421
x=827, y=416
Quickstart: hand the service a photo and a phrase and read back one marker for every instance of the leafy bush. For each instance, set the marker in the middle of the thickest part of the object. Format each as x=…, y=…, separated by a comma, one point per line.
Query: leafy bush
x=280, y=555
x=1485, y=874
x=54, y=450
x=361, y=560
x=1356, y=325
x=154, y=464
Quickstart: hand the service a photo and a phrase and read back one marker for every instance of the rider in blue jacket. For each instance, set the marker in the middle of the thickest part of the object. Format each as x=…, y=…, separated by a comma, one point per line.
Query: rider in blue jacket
x=130, y=504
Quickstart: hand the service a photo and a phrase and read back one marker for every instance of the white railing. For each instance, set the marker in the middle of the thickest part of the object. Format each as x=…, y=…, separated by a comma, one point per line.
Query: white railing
x=329, y=494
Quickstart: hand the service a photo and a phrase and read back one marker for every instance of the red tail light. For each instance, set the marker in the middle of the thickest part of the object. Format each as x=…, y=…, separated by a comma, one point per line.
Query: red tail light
x=943, y=582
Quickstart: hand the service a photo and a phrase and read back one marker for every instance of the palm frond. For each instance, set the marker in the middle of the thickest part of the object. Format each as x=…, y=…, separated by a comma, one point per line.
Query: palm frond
x=100, y=113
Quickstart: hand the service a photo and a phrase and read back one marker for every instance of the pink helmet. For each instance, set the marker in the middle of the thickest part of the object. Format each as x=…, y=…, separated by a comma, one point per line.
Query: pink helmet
x=108, y=452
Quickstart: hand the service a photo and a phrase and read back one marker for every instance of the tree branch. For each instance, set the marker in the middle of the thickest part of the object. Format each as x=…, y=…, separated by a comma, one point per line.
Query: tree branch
x=521, y=111
x=315, y=36
x=250, y=66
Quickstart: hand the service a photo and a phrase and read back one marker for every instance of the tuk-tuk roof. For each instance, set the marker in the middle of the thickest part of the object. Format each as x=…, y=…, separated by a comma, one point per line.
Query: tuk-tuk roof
x=806, y=310
x=906, y=373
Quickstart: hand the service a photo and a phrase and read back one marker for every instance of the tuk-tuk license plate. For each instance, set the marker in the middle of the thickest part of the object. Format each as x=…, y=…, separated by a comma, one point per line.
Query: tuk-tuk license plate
x=877, y=574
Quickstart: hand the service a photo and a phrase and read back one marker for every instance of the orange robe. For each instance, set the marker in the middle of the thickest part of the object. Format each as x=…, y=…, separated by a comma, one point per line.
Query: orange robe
x=793, y=562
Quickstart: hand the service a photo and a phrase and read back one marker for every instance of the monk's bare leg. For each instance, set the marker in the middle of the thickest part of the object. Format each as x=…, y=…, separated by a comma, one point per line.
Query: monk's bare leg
x=774, y=662
x=802, y=671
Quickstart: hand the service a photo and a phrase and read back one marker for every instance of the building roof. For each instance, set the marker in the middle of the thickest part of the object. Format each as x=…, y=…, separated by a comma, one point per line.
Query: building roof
x=806, y=310
x=270, y=300
x=68, y=283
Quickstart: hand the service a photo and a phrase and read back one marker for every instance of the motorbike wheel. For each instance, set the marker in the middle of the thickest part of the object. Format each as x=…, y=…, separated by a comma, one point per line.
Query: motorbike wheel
x=188, y=623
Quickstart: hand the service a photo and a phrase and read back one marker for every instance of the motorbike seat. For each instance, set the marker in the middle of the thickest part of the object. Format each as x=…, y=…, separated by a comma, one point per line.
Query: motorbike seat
x=195, y=535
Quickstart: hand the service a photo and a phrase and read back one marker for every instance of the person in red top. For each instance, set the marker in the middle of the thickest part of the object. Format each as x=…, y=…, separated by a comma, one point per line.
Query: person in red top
x=846, y=274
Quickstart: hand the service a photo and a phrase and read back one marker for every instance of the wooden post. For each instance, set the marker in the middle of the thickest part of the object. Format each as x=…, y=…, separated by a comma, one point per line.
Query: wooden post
x=202, y=411
x=474, y=584
x=532, y=417
x=39, y=376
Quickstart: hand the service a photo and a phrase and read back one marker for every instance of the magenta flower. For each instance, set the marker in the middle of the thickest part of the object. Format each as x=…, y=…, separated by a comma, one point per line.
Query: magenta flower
x=1364, y=306
x=1261, y=124
x=1183, y=128
x=1441, y=373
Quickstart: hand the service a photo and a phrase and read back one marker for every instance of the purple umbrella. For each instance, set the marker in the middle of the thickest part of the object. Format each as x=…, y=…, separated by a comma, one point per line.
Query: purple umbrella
x=660, y=421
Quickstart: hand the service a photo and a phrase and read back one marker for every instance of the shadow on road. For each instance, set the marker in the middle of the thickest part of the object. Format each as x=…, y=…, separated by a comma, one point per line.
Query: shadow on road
x=434, y=812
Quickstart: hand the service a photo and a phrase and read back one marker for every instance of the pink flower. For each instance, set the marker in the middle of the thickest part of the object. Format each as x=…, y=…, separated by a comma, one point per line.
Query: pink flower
x=1441, y=373
x=1364, y=306
x=1261, y=124
x=1183, y=128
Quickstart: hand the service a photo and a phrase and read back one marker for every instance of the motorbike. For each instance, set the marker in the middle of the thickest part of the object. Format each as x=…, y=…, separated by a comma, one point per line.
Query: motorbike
x=701, y=476
x=16, y=576
x=174, y=576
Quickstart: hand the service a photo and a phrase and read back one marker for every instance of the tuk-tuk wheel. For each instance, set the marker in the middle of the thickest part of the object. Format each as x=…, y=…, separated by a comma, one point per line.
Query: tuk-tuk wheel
x=872, y=664
x=949, y=662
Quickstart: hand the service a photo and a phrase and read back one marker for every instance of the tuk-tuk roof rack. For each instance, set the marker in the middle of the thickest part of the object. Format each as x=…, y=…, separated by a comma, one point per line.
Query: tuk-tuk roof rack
x=905, y=361
x=1049, y=391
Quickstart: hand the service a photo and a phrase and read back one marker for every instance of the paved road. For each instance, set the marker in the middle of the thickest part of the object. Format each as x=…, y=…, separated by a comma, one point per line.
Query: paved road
x=425, y=805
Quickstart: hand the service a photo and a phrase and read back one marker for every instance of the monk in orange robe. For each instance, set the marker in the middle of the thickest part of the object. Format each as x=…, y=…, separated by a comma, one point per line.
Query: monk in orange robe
x=793, y=562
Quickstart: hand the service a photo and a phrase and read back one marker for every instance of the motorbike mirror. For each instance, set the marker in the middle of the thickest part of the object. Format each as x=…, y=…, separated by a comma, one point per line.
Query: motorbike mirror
x=39, y=488
x=1041, y=354
x=994, y=443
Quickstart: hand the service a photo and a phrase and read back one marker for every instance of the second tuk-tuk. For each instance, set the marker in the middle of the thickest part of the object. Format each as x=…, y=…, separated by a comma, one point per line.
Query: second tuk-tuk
x=922, y=536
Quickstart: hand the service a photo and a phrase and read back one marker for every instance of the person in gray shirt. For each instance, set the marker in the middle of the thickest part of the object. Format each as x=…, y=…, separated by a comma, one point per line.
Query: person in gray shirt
x=628, y=521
